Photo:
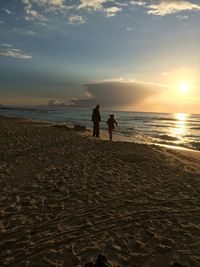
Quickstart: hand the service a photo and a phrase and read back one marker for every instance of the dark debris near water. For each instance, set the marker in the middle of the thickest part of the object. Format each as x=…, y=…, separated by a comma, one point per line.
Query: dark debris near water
x=101, y=261
x=76, y=127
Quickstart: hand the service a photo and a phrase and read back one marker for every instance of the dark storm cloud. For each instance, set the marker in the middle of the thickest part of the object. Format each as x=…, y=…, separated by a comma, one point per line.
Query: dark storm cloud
x=117, y=94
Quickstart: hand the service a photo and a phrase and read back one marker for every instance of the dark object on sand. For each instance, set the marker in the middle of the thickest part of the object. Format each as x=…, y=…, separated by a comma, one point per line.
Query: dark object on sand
x=101, y=261
x=79, y=127
x=63, y=126
x=178, y=265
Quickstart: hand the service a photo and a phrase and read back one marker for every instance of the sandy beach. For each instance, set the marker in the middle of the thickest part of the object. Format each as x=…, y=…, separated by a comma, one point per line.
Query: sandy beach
x=66, y=197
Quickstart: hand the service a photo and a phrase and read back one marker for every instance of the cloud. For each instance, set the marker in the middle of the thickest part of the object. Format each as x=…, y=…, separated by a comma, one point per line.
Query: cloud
x=76, y=19
x=112, y=11
x=29, y=33
x=56, y=103
x=117, y=94
x=6, y=45
x=129, y=29
x=92, y=4
x=171, y=6
x=53, y=5
x=32, y=14
x=97, y=5
x=165, y=7
x=138, y=3
x=60, y=3
x=16, y=53
x=180, y=18
x=7, y=11
x=63, y=5
x=33, y=8
x=37, y=10
x=121, y=4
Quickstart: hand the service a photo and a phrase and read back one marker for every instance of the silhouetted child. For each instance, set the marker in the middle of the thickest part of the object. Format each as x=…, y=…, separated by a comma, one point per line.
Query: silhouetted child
x=111, y=125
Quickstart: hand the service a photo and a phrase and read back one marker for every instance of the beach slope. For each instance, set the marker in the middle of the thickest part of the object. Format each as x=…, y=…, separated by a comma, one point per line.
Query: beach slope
x=65, y=198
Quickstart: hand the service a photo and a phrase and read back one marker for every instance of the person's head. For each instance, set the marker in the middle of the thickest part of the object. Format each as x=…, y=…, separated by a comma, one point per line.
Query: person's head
x=112, y=116
x=98, y=106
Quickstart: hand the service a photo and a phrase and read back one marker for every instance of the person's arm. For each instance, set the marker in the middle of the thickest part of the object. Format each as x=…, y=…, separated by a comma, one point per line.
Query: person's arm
x=115, y=122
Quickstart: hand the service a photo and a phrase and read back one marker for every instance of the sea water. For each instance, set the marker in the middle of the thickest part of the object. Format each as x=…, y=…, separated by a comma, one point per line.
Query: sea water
x=176, y=129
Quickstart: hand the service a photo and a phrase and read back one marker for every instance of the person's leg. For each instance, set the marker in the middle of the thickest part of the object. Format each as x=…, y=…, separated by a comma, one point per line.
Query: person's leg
x=94, y=129
x=111, y=136
x=110, y=133
x=97, y=129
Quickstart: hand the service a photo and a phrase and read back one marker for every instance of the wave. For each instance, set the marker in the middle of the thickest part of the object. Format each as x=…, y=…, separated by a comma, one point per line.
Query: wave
x=174, y=119
x=26, y=109
x=143, y=119
x=195, y=145
x=192, y=136
x=22, y=109
x=190, y=145
x=159, y=125
x=167, y=137
x=195, y=128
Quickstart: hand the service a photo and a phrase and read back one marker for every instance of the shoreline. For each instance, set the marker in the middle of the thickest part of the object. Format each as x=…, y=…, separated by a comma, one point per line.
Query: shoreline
x=104, y=135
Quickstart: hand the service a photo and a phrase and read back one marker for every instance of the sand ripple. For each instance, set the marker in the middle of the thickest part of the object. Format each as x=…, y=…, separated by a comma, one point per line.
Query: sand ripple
x=65, y=199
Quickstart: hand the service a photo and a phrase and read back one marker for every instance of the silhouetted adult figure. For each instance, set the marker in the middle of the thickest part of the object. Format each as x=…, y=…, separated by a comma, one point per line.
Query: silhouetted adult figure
x=96, y=118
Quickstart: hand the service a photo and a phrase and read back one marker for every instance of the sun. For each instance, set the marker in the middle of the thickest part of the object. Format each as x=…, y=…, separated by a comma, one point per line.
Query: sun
x=183, y=87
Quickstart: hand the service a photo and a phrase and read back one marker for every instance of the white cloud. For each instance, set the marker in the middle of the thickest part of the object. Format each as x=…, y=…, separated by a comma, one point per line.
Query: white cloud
x=112, y=11
x=92, y=4
x=6, y=45
x=8, y=11
x=97, y=5
x=57, y=103
x=58, y=3
x=35, y=9
x=29, y=33
x=52, y=5
x=121, y=4
x=76, y=19
x=138, y=3
x=164, y=7
x=129, y=29
x=182, y=18
x=32, y=14
x=32, y=8
x=171, y=6
x=16, y=53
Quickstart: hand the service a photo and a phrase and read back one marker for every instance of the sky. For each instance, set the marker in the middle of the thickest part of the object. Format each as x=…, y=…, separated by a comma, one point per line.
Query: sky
x=140, y=55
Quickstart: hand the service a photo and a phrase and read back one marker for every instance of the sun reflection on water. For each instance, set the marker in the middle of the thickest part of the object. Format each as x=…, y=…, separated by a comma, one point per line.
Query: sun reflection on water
x=181, y=117
x=179, y=129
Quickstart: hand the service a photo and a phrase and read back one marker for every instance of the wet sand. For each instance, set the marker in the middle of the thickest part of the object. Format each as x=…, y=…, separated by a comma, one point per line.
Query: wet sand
x=66, y=197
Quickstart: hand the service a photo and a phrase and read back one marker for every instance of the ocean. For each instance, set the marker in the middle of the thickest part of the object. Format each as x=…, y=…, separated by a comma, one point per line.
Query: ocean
x=171, y=129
